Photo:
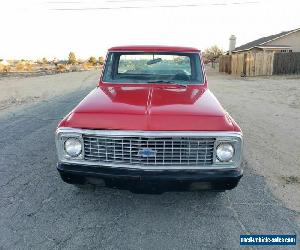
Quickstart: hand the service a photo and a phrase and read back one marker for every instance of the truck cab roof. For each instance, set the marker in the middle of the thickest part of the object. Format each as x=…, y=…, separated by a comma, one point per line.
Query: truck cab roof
x=154, y=48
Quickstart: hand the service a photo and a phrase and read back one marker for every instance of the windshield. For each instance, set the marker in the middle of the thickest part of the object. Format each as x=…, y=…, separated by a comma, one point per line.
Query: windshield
x=139, y=67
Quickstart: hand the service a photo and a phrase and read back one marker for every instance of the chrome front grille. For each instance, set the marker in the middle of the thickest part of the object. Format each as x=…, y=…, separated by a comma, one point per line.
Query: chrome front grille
x=165, y=151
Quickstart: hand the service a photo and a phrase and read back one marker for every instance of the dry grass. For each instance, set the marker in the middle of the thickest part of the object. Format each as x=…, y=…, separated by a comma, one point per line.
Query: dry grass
x=5, y=68
x=23, y=66
x=87, y=66
x=30, y=67
x=61, y=68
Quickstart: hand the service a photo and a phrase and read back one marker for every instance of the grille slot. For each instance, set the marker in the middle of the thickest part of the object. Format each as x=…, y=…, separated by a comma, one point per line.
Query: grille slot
x=170, y=151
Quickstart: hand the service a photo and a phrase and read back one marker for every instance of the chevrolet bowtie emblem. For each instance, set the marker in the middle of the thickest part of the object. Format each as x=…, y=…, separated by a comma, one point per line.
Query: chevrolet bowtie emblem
x=147, y=152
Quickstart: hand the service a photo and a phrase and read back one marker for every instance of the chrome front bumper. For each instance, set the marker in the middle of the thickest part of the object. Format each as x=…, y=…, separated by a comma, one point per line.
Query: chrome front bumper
x=151, y=181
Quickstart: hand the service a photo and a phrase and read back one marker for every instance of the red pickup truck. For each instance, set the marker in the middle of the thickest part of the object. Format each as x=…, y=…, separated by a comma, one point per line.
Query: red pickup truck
x=151, y=124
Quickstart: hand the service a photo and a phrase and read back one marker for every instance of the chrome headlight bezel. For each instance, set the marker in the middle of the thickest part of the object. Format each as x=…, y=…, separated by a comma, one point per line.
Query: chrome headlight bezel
x=61, y=139
x=73, y=147
x=227, y=148
x=236, y=142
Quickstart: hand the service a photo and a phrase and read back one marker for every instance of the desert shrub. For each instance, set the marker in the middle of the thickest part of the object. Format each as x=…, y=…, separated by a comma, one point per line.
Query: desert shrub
x=92, y=60
x=20, y=66
x=61, y=68
x=87, y=66
x=5, y=68
x=28, y=66
x=101, y=60
x=23, y=66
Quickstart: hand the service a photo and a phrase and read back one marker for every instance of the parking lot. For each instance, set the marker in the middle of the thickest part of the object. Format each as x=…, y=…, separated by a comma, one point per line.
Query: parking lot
x=39, y=211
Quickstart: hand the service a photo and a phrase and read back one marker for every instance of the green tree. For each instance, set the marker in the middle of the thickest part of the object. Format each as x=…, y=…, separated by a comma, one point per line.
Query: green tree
x=72, y=58
x=92, y=60
x=101, y=60
x=212, y=53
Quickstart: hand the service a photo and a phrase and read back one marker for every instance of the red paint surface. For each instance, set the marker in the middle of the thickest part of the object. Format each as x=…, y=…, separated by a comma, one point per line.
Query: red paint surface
x=156, y=48
x=150, y=107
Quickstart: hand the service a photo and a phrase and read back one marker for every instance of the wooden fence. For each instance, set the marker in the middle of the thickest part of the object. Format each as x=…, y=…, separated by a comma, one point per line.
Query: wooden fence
x=225, y=64
x=260, y=63
x=286, y=63
x=238, y=64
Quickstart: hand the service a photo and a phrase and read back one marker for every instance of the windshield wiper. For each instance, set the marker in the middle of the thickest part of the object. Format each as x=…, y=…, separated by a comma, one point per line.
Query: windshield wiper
x=168, y=82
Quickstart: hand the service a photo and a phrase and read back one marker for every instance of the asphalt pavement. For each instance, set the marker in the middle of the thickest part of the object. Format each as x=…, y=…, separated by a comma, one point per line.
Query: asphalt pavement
x=39, y=211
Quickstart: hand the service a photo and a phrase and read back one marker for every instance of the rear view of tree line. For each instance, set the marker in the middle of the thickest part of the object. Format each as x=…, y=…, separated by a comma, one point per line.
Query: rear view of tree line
x=92, y=60
x=48, y=66
x=212, y=54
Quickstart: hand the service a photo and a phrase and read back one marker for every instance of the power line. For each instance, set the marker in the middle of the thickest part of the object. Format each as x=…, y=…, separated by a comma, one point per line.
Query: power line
x=61, y=2
x=154, y=6
x=125, y=1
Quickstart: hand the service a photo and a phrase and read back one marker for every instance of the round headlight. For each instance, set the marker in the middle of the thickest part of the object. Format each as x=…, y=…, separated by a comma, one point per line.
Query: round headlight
x=225, y=152
x=73, y=147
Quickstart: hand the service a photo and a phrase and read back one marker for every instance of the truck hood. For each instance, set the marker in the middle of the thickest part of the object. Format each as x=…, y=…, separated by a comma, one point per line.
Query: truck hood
x=150, y=107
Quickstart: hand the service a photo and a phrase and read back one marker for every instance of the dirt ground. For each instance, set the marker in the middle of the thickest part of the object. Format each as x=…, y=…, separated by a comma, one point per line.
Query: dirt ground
x=267, y=109
x=15, y=92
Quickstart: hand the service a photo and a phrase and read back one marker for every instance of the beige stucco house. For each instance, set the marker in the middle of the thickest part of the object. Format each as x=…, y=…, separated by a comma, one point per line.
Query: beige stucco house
x=286, y=41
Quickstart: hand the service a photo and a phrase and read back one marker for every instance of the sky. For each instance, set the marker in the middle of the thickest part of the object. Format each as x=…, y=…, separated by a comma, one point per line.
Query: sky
x=34, y=29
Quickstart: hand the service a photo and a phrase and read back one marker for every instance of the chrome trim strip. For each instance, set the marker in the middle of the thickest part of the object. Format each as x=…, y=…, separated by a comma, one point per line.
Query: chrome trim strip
x=129, y=133
x=234, y=137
